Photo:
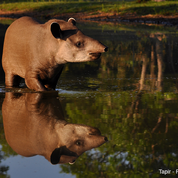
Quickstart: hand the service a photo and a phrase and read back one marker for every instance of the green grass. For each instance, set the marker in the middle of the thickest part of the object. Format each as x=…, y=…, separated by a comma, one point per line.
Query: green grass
x=121, y=7
x=56, y=7
x=150, y=7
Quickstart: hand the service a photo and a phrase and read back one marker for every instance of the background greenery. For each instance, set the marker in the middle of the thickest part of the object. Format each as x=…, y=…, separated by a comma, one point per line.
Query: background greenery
x=141, y=125
x=122, y=7
x=139, y=117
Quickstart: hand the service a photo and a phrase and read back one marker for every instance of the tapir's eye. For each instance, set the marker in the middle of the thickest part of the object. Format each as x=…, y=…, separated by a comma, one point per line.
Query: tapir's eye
x=78, y=142
x=78, y=44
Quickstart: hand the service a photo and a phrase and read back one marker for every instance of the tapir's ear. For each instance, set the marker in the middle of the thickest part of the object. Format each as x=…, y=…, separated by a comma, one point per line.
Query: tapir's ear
x=58, y=152
x=72, y=20
x=55, y=30
x=55, y=156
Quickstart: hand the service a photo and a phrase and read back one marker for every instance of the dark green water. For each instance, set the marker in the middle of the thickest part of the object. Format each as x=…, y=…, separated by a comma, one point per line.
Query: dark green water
x=130, y=95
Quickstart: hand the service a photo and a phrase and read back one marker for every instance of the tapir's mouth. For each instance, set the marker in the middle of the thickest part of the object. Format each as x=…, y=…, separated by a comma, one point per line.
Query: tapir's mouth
x=95, y=55
x=72, y=162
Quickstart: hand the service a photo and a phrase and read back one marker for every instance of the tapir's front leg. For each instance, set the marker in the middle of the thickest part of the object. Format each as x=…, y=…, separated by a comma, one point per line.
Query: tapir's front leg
x=53, y=81
x=33, y=82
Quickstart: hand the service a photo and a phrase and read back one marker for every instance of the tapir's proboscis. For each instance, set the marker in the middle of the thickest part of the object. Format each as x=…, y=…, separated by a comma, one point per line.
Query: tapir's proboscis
x=34, y=125
x=37, y=52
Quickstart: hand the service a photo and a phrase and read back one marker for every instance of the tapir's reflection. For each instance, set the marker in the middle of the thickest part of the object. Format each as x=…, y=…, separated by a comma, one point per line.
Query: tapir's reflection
x=34, y=125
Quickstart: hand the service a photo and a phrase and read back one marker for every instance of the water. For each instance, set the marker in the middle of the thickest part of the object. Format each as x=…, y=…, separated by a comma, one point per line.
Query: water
x=130, y=95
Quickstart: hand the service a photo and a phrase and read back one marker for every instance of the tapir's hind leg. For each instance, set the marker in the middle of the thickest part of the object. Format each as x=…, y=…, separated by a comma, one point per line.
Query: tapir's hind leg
x=12, y=80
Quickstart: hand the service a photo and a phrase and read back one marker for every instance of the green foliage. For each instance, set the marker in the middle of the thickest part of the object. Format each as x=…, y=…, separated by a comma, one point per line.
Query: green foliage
x=138, y=143
x=57, y=7
x=141, y=126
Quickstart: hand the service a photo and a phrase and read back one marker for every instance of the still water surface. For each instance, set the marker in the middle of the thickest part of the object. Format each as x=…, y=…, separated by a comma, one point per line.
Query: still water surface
x=130, y=95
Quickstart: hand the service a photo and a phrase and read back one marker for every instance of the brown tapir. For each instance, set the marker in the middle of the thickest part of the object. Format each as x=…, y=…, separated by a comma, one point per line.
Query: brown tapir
x=37, y=52
x=34, y=125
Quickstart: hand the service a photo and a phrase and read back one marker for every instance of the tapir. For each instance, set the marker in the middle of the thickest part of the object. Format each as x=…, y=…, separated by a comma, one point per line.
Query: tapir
x=38, y=52
x=34, y=124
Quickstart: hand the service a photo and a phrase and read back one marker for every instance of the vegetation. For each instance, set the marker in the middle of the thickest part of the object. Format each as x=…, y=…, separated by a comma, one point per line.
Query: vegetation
x=141, y=125
x=57, y=7
x=128, y=104
x=141, y=136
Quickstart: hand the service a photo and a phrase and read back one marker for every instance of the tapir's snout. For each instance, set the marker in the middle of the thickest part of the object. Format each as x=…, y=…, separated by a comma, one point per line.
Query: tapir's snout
x=102, y=48
x=106, y=49
x=97, y=50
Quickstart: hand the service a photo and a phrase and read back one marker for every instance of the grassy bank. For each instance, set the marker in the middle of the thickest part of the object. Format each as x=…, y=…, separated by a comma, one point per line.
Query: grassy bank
x=95, y=7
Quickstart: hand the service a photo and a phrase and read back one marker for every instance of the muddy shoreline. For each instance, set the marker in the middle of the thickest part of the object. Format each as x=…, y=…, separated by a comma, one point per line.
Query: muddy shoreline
x=100, y=17
x=155, y=20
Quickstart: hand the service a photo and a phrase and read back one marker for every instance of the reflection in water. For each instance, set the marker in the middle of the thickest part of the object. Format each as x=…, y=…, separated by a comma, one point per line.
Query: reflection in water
x=155, y=59
x=130, y=94
x=34, y=125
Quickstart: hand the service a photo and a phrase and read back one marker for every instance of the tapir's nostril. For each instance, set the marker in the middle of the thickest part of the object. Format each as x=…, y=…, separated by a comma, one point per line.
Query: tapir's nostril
x=105, y=139
x=106, y=49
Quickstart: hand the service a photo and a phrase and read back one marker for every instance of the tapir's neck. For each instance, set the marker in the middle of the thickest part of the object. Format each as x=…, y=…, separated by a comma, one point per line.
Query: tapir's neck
x=55, y=71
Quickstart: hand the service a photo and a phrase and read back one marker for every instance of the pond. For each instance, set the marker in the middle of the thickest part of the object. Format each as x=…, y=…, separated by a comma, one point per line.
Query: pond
x=130, y=94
